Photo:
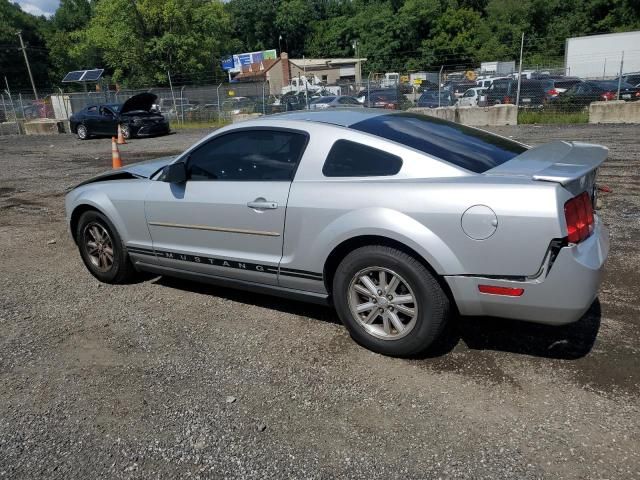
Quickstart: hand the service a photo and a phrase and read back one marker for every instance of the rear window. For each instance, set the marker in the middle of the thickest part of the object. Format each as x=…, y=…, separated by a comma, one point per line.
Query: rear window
x=469, y=148
x=565, y=83
x=351, y=159
x=500, y=86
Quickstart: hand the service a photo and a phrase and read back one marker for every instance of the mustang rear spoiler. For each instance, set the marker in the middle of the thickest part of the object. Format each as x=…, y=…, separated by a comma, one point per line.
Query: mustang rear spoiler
x=558, y=162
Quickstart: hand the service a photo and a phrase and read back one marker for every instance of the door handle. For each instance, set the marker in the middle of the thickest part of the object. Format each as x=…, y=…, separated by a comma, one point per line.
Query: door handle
x=262, y=204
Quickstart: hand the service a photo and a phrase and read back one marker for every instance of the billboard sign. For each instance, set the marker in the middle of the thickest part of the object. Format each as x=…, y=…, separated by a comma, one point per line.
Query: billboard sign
x=236, y=62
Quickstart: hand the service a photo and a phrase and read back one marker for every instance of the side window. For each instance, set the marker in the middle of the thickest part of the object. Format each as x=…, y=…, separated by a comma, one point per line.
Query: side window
x=248, y=155
x=348, y=101
x=93, y=109
x=351, y=159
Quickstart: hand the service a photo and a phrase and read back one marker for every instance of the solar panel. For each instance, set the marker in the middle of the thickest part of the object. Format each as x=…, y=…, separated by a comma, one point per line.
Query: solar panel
x=83, y=76
x=92, y=75
x=73, y=76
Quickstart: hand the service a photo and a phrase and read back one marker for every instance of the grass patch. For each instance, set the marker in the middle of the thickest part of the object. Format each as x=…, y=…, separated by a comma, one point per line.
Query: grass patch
x=205, y=124
x=528, y=117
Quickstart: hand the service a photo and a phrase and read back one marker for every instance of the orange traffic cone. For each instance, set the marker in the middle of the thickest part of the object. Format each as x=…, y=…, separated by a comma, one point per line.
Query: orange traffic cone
x=116, y=162
x=121, y=140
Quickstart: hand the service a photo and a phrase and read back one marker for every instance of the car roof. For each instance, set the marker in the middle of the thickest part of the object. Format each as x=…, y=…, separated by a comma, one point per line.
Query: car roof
x=343, y=117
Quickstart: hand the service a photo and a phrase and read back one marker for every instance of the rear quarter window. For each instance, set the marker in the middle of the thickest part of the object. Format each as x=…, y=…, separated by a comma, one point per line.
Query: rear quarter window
x=351, y=159
x=465, y=147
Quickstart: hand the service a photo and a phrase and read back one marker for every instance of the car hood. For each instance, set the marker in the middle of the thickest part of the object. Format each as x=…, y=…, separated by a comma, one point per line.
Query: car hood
x=147, y=168
x=135, y=170
x=142, y=101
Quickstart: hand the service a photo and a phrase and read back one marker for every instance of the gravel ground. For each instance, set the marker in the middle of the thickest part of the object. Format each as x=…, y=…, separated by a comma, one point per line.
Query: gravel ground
x=169, y=379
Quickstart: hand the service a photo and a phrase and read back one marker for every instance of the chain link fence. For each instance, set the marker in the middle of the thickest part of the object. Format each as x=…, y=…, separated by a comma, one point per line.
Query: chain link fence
x=543, y=93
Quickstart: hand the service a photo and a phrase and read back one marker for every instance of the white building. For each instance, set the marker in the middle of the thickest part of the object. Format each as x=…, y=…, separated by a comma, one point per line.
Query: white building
x=599, y=56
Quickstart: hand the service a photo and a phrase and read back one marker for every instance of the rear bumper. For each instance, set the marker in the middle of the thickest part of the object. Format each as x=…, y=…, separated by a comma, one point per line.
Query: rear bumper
x=560, y=296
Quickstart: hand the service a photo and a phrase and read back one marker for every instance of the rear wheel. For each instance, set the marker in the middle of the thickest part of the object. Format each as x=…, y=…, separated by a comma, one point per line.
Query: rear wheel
x=102, y=250
x=389, y=301
x=82, y=131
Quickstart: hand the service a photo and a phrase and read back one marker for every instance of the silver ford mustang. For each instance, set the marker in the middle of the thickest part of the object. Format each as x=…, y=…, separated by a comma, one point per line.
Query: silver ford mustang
x=396, y=219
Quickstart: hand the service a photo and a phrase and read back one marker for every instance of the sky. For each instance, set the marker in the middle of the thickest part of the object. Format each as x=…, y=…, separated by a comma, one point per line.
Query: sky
x=39, y=7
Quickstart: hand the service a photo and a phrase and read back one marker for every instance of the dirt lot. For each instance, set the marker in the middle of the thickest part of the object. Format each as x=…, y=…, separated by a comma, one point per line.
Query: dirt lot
x=168, y=379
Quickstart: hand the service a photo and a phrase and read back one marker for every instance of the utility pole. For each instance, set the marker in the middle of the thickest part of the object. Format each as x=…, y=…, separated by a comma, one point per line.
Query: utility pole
x=620, y=76
x=26, y=60
x=520, y=72
x=358, y=64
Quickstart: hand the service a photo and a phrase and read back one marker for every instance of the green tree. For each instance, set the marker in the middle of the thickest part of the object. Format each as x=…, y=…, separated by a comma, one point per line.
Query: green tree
x=61, y=36
x=12, y=20
x=253, y=24
x=139, y=41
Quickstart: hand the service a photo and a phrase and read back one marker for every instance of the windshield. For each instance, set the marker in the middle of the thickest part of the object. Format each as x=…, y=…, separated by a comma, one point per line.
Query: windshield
x=469, y=148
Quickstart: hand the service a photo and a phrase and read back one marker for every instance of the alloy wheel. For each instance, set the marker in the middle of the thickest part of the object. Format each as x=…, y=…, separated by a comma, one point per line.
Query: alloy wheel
x=383, y=303
x=99, y=246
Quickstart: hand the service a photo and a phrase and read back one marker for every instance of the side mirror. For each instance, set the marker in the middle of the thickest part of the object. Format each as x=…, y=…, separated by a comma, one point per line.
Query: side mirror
x=175, y=173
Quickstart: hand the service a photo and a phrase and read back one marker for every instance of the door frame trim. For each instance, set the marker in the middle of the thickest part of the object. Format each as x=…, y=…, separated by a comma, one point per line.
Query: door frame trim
x=209, y=228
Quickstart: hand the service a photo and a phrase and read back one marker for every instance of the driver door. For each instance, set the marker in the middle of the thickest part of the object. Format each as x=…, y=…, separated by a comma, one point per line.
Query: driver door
x=107, y=123
x=228, y=218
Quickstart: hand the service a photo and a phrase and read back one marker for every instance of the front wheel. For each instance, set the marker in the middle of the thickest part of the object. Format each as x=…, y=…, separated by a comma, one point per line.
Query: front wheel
x=126, y=131
x=82, y=131
x=389, y=301
x=102, y=249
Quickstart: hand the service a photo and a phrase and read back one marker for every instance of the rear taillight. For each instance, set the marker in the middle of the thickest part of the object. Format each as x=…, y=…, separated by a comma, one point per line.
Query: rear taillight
x=553, y=92
x=637, y=94
x=608, y=95
x=578, y=213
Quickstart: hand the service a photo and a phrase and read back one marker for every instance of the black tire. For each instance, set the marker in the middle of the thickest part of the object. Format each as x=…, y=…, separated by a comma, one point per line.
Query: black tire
x=82, y=131
x=121, y=269
x=432, y=302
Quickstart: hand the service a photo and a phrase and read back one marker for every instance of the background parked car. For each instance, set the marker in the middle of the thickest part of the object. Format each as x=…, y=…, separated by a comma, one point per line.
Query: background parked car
x=293, y=101
x=554, y=86
x=238, y=105
x=486, y=82
x=532, y=93
x=471, y=97
x=582, y=94
x=135, y=116
x=387, y=98
x=631, y=78
x=429, y=99
x=340, y=101
x=457, y=89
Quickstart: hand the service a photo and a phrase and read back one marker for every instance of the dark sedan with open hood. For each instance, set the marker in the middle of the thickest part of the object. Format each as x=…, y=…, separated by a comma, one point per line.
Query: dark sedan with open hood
x=135, y=116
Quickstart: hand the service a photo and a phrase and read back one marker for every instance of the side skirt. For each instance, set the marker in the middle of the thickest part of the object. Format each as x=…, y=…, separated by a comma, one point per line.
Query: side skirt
x=300, y=295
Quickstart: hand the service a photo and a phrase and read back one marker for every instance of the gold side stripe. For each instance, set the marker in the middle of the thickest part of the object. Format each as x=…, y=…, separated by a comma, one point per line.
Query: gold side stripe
x=216, y=229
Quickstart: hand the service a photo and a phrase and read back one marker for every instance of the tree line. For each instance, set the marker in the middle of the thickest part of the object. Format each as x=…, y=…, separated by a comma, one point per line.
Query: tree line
x=138, y=41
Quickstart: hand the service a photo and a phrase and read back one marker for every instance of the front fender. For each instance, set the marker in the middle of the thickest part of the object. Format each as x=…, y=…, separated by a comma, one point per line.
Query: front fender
x=391, y=224
x=121, y=201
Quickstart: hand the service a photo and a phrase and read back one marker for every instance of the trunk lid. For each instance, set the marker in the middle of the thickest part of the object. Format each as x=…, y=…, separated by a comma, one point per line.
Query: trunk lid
x=559, y=162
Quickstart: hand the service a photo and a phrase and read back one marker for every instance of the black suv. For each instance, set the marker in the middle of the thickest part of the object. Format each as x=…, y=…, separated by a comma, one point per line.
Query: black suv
x=532, y=92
